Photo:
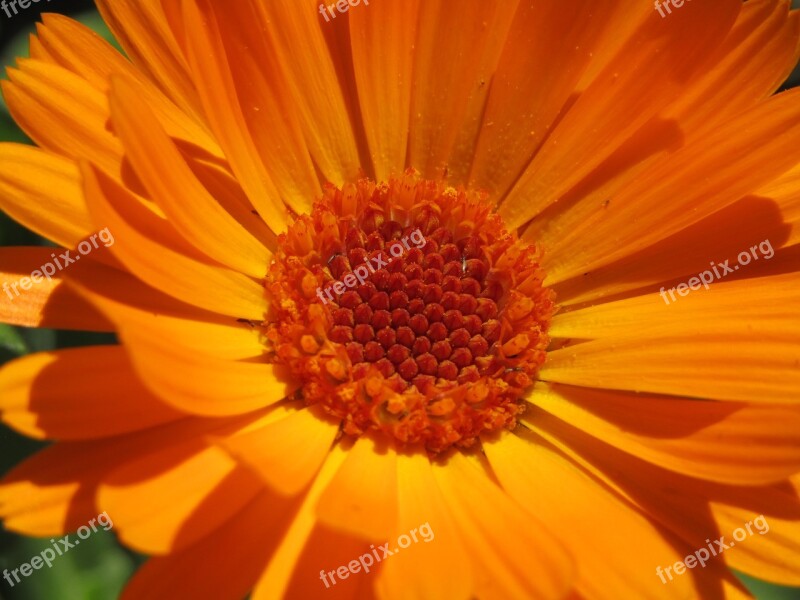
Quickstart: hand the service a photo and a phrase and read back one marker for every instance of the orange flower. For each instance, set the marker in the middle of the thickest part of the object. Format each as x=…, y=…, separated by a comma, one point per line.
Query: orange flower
x=519, y=179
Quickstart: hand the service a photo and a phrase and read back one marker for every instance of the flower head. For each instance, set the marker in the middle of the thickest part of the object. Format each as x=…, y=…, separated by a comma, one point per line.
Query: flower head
x=405, y=296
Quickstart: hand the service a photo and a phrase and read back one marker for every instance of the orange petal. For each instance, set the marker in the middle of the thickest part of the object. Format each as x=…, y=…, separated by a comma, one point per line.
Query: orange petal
x=172, y=498
x=304, y=435
x=771, y=548
x=658, y=314
x=502, y=545
x=267, y=108
x=36, y=50
x=648, y=72
x=48, y=303
x=424, y=501
x=326, y=550
x=77, y=394
x=79, y=49
x=594, y=524
x=453, y=53
x=497, y=21
x=771, y=214
x=697, y=181
x=695, y=510
x=195, y=213
x=224, y=565
x=746, y=68
x=382, y=39
x=175, y=270
x=678, y=350
x=547, y=51
x=362, y=498
x=218, y=93
x=717, y=441
x=145, y=312
x=142, y=28
x=313, y=85
x=205, y=385
x=54, y=491
x=275, y=579
x=61, y=112
x=758, y=55
x=43, y=192
x=704, y=367
x=785, y=193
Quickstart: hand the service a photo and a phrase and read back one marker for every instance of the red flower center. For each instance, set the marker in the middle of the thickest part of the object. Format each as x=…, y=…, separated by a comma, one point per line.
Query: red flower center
x=408, y=308
x=428, y=314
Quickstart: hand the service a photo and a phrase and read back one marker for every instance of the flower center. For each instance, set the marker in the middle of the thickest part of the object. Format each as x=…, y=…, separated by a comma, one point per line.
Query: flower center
x=407, y=308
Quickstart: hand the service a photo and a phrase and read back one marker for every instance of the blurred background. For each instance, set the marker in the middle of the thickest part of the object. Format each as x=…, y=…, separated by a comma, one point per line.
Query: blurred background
x=99, y=569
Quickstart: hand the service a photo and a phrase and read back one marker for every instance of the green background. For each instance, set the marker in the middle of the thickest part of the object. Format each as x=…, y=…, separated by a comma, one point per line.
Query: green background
x=99, y=568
